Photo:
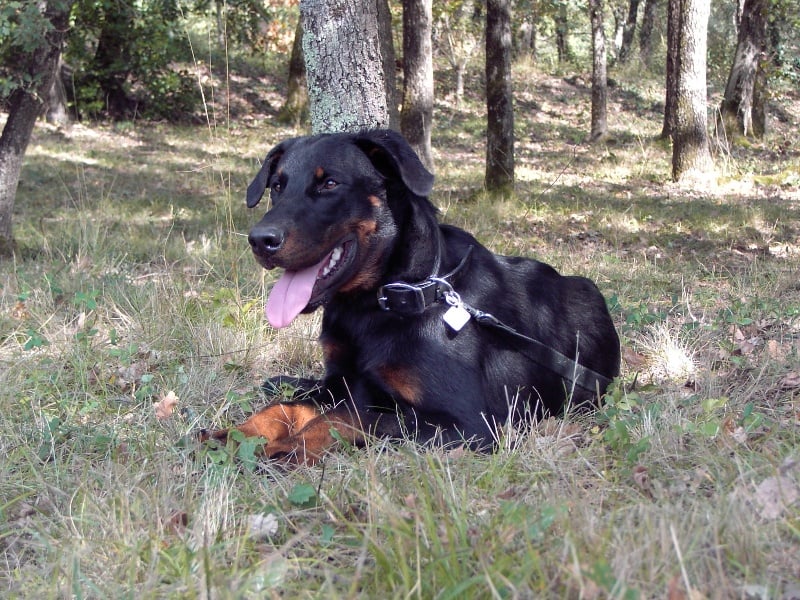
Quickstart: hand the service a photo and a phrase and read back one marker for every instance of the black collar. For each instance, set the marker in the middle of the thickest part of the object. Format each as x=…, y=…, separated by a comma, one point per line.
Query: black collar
x=413, y=298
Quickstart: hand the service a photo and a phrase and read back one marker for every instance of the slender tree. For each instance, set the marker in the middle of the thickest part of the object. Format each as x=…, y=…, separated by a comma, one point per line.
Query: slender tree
x=742, y=110
x=499, y=98
x=691, y=156
x=628, y=31
x=646, y=31
x=673, y=47
x=36, y=66
x=347, y=85
x=416, y=120
x=461, y=37
x=295, y=106
x=599, y=75
x=389, y=58
x=562, y=32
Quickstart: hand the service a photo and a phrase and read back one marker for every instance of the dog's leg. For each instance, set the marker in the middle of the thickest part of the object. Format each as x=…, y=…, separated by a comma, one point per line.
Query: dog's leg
x=310, y=443
x=272, y=423
x=297, y=432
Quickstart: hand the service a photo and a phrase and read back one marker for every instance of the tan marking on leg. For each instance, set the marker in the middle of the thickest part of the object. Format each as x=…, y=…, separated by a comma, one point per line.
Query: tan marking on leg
x=279, y=421
x=309, y=445
x=403, y=381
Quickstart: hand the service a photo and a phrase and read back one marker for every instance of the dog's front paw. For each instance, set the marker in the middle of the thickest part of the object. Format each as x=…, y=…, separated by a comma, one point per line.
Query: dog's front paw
x=219, y=436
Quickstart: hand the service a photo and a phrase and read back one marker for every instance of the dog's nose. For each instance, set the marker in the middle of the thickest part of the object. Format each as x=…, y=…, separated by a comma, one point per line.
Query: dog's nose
x=266, y=240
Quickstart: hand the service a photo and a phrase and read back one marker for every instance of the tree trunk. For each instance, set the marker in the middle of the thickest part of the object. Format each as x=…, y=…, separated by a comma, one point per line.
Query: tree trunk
x=562, y=31
x=499, y=98
x=599, y=76
x=295, y=108
x=417, y=117
x=389, y=57
x=646, y=31
x=347, y=88
x=742, y=110
x=461, y=38
x=112, y=60
x=691, y=156
x=618, y=12
x=24, y=107
x=527, y=36
x=671, y=87
x=628, y=32
x=57, y=98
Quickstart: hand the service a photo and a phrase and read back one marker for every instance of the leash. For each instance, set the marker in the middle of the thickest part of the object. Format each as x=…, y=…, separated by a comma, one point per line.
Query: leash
x=560, y=364
x=413, y=299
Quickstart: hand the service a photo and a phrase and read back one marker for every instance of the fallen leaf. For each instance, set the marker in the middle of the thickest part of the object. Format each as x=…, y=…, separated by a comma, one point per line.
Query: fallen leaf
x=457, y=452
x=755, y=592
x=411, y=501
x=642, y=479
x=166, y=405
x=262, y=526
x=774, y=495
x=633, y=359
x=20, y=311
x=132, y=373
x=791, y=380
x=176, y=522
x=675, y=589
x=749, y=346
x=777, y=351
x=739, y=435
x=509, y=493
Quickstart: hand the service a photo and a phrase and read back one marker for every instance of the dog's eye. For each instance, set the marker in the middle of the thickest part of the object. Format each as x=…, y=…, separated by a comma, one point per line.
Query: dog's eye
x=277, y=187
x=329, y=184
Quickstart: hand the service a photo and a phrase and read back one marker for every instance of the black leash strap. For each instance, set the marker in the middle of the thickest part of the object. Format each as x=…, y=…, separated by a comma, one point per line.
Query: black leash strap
x=558, y=363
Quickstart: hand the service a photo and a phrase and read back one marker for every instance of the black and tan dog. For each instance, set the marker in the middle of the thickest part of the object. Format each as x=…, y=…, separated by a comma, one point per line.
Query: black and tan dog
x=425, y=333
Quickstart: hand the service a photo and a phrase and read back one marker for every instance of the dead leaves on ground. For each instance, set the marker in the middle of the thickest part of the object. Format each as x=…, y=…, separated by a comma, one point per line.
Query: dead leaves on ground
x=165, y=405
x=774, y=495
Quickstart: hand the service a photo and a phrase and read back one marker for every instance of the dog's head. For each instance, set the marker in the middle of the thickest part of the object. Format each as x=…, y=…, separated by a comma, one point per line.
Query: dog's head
x=336, y=209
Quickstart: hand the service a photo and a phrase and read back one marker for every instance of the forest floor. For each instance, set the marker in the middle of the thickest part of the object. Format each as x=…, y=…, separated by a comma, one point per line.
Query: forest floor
x=132, y=315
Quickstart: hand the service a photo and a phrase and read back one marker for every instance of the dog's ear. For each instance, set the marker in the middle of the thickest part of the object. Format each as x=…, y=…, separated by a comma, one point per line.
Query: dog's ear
x=258, y=186
x=391, y=155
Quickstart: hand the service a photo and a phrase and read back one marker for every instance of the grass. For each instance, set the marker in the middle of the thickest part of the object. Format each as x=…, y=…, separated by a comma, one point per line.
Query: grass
x=133, y=280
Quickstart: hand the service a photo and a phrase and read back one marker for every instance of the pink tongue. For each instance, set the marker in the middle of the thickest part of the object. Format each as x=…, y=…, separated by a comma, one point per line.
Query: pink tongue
x=290, y=295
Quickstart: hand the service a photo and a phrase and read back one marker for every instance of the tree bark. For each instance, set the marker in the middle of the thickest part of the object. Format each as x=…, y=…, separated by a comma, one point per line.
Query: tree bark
x=417, y=117
x=57, y=113
x=562, y=31
x=628, y=31
x=295, y=108
x=742, y=110
x=24, y=107
x=347, y=88
x=599, y=75
x=691, y=156
x=499, y=98
x=389, y=57
x=646, y=31
x=671, y=87
x=459, y=32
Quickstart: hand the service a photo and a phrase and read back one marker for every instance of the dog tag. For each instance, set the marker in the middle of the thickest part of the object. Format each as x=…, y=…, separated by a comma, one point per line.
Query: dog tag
x=456, y=316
